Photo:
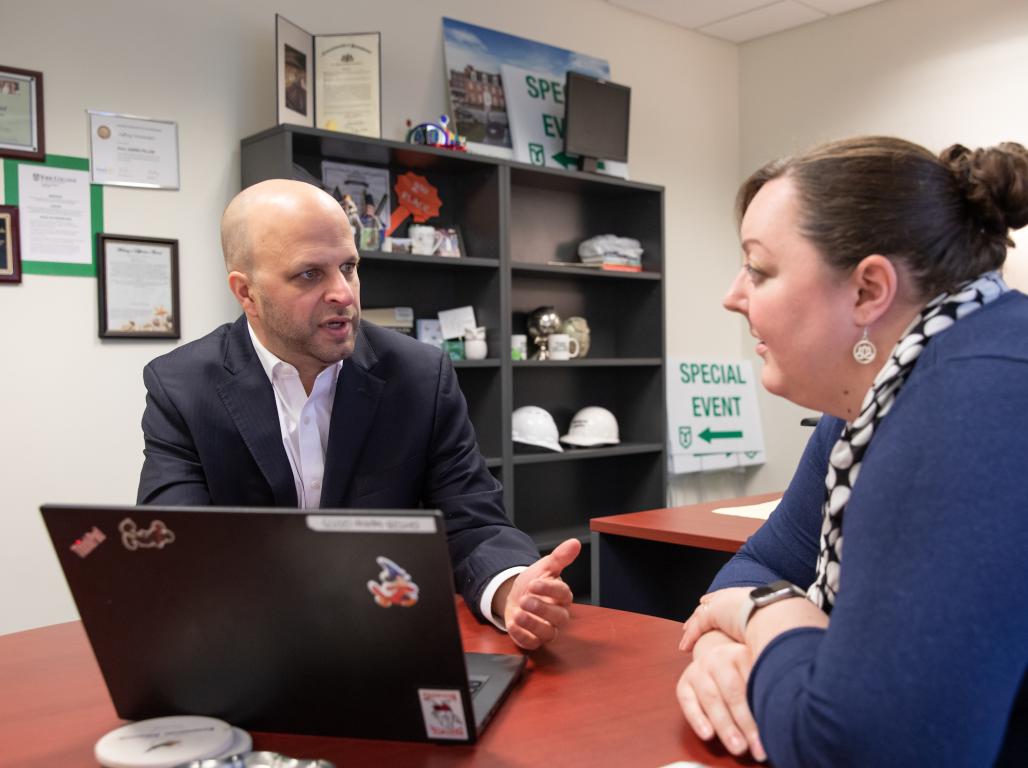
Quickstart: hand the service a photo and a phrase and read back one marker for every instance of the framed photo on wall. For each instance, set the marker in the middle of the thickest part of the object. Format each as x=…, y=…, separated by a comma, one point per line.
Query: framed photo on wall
x=21, y=114
x=294, y=73
x=138, y=287
x=10, y=255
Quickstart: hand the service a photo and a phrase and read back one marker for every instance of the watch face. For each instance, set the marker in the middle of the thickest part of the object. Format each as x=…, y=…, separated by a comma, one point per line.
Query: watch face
x=760, y=593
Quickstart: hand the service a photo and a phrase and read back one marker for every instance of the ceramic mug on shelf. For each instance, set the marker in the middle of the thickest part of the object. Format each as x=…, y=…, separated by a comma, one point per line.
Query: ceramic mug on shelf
x=424, y=241
x=518, y=346
x=562, y=346
x=474, y=344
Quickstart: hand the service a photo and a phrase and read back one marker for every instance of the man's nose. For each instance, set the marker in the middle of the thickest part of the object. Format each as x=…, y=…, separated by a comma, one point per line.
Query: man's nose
x=340, y=290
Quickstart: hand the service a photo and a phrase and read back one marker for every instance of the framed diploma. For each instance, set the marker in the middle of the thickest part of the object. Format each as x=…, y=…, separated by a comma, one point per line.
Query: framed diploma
x=127, y=151
x=10, y=257
x=21, y=114
x=294, y=73
x=138, y=287
x=348, y=83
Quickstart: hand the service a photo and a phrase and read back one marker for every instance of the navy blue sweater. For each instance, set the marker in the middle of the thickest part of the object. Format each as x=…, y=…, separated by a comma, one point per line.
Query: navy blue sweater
x=924, y=660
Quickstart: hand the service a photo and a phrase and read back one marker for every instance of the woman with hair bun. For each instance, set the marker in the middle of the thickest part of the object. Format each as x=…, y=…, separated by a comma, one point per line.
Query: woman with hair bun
x=871, y=282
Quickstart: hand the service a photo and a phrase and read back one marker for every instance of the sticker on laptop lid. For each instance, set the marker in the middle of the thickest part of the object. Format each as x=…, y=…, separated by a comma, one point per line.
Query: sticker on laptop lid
x=443, y=714
x=371, y=523
x=394, y=586
x=87, y=542
x=155, y=537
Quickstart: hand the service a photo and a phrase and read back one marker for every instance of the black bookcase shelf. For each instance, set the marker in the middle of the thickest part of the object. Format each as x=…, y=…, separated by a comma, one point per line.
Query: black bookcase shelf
x=577, y=272
x=577, y=454
x=590, y=362
x=514, y=219
x=436, y=262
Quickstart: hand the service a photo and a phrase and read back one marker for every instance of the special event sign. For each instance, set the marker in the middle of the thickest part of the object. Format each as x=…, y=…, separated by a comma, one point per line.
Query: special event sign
x=713, y=417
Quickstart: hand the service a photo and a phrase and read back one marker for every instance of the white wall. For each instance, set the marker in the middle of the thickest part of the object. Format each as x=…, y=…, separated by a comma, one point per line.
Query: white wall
x=72, y=403
x=936, y=72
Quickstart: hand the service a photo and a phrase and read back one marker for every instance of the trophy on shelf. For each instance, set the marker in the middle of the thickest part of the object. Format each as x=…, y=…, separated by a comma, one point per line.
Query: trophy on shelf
x=541, y=323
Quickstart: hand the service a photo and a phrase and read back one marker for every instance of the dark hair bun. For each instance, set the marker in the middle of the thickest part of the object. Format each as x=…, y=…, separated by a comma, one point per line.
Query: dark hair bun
x=994, y=181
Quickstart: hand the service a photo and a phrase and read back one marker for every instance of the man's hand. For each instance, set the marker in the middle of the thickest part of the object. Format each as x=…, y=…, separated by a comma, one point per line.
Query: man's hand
x=536, y=603
x=712, y=694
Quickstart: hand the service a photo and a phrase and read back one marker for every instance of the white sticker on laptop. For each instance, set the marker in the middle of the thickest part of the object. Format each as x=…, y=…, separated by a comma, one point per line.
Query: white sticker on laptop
x=157, y=536
x=443, y=713
x=371, y=523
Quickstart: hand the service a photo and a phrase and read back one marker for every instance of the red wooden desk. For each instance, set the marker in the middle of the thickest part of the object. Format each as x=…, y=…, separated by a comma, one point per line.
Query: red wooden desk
x=601, y=695
x=660, y=561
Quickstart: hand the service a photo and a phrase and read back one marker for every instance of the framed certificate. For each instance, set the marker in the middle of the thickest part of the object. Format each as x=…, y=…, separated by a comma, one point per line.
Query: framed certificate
x=128, y=151
x=21, y=114
x=348, y=83
x=294, y=73
x=138, y=287
x=10, y=256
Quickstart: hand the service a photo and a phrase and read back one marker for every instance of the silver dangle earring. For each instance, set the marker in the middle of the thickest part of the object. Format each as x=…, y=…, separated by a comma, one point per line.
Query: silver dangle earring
x=864, y=351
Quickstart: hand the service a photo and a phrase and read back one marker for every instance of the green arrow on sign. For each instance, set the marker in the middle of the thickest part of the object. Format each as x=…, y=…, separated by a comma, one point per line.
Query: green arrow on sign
x=709, y=436
x=566, y=160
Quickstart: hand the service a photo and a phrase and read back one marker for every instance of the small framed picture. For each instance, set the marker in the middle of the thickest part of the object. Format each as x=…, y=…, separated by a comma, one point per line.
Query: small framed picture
x=450, y=243
x=21, y=114
x=294, y=73
x=10, y=255
x=138, y=287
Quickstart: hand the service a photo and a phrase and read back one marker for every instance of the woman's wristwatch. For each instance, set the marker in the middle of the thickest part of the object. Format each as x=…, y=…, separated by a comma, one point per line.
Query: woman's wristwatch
x=769, y=594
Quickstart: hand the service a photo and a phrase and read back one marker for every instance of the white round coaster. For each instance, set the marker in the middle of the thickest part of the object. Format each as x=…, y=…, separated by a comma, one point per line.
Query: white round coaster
x=241, y=743
x=163, y=742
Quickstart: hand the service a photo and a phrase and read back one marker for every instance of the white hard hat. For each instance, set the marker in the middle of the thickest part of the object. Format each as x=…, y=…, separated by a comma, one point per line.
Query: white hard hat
x=592, y=426
x=534, y=426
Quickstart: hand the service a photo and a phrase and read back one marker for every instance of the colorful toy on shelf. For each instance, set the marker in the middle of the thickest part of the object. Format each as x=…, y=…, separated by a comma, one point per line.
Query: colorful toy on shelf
x=436, y=135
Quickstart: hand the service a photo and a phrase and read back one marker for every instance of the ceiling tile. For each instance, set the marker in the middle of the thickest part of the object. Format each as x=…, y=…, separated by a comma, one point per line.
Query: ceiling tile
x=834, y=7
x=691, y=13
x=763, y=21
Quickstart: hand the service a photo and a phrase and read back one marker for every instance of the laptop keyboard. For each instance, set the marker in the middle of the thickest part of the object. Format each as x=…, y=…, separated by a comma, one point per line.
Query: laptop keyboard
x=475, y=683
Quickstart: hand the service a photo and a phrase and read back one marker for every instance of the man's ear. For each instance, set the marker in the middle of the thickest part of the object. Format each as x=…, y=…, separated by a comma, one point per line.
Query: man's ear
x=242, y=288
x=876, y=282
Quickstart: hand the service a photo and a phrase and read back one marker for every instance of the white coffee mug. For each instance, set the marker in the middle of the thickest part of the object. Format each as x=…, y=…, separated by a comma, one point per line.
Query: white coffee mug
x=562, y=346
x=518, y=346
x=424, y=241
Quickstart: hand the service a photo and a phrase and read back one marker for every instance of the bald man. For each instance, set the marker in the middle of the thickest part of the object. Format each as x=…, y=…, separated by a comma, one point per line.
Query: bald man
x=300, y=404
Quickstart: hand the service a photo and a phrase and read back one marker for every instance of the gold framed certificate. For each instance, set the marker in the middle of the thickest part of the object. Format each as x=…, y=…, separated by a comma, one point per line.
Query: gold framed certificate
x=348, y=83
x=21, y=114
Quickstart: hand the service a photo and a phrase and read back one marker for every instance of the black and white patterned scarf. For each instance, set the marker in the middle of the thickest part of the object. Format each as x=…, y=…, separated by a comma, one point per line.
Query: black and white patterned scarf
x=844, y=462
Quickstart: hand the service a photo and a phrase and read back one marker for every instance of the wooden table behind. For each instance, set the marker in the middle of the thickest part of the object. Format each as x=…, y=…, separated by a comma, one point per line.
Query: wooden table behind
x=660, y=561
x=601, y=695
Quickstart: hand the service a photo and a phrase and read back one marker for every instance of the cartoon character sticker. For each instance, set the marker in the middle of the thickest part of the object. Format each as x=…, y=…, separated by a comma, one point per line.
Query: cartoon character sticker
x=156, y=536
x=443, y=712
x=394, y=586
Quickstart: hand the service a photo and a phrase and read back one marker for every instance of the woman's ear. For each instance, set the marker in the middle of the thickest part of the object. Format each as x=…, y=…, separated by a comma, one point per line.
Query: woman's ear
x=876, y=281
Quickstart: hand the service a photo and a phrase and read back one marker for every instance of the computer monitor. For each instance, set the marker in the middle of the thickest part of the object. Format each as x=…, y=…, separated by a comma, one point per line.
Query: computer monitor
x=596, y=119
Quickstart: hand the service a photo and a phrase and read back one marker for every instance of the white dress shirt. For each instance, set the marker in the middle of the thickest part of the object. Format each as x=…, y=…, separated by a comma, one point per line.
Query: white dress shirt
x=304, y=422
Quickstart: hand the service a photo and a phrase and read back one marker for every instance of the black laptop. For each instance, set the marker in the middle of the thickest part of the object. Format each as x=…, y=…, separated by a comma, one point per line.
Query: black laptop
x=331, y=622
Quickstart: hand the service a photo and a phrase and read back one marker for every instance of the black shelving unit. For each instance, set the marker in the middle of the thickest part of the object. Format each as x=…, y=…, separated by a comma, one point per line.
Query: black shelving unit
x=514, y=220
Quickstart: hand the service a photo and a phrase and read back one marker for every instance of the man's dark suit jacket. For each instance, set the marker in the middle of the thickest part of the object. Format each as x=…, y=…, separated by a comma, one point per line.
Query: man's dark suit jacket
x=399, y=438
